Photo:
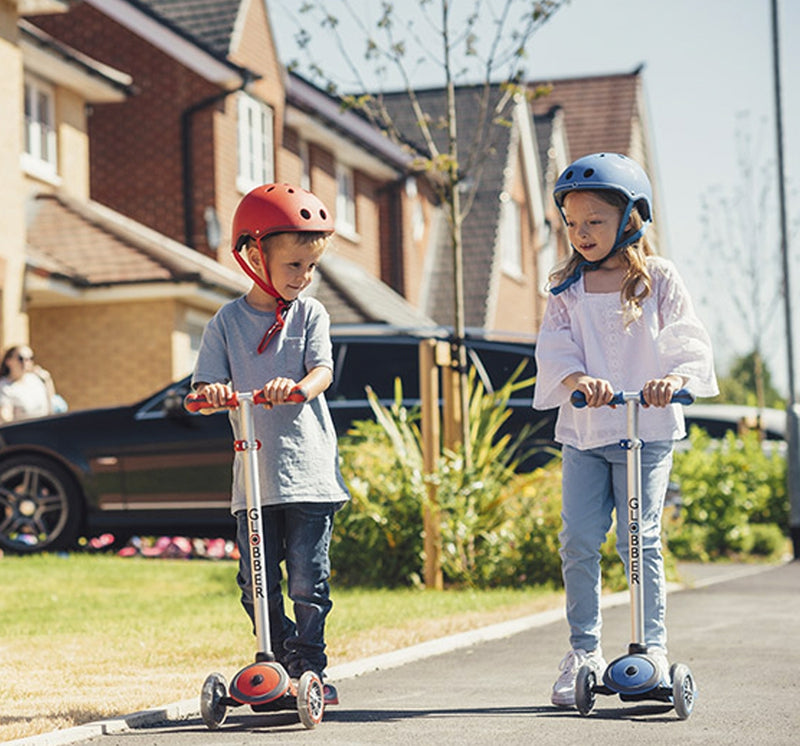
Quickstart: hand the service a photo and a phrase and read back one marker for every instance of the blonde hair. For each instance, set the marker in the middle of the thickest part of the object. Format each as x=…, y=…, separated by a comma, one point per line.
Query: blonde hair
x=302, y=238
x=637, y=283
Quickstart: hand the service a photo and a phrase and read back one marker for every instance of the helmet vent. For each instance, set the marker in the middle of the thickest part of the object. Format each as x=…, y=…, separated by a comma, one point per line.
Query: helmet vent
x=588, y=172
x=305, y=214
x=323, y=214
x=568, y=175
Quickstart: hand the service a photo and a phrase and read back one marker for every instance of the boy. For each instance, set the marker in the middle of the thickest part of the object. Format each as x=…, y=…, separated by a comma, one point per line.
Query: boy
x=279, y=235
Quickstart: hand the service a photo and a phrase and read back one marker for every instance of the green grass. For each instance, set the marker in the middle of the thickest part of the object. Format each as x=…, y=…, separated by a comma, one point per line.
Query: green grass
x=123, y=635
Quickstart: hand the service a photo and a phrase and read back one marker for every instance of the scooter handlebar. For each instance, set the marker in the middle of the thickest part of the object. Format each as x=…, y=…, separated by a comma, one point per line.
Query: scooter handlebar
x=196, y=402
x=681, y=396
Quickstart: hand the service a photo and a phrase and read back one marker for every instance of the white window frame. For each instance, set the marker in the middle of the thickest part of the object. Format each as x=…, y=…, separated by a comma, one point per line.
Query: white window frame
x=510, y=236
x=345, y=201
x=255, y=143
x=547, y=258
x=305, y=161
x=40, y=148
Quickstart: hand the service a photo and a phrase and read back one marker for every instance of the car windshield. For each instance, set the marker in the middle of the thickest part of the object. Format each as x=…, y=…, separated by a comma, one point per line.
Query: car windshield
x=154, y=407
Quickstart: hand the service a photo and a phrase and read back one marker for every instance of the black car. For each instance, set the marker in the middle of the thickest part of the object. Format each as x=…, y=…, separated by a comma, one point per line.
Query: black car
x=153, y=469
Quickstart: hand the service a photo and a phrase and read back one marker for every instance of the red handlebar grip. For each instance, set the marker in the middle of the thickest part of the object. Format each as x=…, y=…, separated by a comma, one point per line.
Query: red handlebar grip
x=296, y=395
x=196, y=402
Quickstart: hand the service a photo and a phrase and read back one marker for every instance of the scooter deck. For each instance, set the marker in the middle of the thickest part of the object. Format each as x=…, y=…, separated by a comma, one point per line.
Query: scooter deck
x=658, y=694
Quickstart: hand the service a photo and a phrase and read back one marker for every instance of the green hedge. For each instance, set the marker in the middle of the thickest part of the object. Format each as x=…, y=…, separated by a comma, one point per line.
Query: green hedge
x=734, y=498
x=500, y=527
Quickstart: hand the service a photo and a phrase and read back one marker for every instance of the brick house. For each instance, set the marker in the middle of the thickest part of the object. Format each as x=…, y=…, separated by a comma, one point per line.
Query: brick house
x=513, y=235
x=195, y=110
x=148, y=260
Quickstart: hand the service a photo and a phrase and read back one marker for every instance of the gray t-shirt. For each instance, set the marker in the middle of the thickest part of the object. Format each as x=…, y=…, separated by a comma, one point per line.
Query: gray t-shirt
x=298, y=460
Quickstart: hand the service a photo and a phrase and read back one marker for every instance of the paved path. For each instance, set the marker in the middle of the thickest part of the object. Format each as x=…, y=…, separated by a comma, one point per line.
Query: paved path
x=739, y=633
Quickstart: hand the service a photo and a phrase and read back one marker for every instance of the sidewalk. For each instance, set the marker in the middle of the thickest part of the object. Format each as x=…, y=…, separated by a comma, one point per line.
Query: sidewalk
x=694, y=576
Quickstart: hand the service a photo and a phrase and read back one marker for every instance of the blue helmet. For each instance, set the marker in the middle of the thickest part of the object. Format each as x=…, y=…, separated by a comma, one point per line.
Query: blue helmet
x=613, y=172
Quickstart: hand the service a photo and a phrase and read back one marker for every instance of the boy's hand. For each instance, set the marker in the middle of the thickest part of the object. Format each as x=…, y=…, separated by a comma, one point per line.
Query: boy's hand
x=277, y=391
x=217, y=395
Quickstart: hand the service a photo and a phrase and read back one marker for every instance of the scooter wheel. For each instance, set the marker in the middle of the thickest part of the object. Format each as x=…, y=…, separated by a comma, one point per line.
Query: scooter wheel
x=684, y=691
x=212, y=705
x=585, y=682
x=310, y=700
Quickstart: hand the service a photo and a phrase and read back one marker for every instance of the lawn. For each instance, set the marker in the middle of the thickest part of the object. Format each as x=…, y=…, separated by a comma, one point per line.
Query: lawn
x=90, y=636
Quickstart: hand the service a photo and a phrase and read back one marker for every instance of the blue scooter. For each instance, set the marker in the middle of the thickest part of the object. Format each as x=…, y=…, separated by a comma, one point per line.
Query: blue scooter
x=636, y=676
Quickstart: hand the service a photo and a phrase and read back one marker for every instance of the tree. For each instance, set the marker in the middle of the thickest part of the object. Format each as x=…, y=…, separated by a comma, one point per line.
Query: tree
x=480, y=42
x=747, y=375
x=742, y=250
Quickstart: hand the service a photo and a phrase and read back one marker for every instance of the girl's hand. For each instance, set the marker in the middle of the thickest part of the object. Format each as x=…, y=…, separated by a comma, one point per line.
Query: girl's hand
x=658, y=391
x=597, y=391
x=277, y=391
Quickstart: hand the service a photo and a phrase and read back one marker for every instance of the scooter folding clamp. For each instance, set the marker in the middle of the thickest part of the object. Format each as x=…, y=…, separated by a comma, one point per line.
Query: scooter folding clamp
x=244, y=445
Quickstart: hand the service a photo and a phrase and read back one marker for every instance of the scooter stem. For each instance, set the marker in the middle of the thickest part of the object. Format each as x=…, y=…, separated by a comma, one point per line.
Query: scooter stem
x=635, y=554
x=249, y=445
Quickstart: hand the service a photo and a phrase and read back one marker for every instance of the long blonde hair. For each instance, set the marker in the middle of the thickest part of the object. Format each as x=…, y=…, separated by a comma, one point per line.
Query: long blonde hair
x=637, y=283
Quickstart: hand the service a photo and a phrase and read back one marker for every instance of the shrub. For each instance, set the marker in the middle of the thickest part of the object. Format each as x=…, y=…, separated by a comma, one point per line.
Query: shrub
x=500, y=527
x=479, y=505
x=734, y=498
x=377, y=538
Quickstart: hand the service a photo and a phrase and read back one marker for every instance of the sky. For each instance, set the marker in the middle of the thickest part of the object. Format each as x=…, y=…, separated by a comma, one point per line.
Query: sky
x=708, y=79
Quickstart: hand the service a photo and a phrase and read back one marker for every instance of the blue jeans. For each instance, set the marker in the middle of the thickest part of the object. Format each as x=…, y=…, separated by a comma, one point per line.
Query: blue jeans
x=594, y=483
x=300, y=535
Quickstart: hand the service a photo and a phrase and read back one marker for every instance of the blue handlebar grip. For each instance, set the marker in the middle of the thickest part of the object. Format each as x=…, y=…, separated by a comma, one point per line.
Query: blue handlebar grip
x=682, y=396
x=578, y=399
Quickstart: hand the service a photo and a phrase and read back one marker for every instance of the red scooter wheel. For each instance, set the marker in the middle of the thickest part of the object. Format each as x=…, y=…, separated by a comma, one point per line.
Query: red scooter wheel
x=260, y=682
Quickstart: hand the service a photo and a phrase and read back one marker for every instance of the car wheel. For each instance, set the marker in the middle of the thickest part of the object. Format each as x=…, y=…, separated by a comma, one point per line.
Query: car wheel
x=40, y=508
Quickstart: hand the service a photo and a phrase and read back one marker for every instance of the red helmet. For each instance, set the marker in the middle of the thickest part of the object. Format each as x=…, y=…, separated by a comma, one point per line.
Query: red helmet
x=278, y=208
x=265, y=211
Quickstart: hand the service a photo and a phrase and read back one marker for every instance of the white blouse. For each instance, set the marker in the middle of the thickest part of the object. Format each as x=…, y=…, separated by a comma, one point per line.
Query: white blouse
x=585, y=332
x=24, y=398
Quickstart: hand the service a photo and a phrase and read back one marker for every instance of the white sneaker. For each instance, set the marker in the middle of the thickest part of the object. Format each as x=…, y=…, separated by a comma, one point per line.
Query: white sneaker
x=659, y=657
x=564, y=689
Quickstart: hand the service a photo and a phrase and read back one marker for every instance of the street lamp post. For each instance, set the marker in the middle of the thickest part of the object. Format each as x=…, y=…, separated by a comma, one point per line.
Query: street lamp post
x=792, y=408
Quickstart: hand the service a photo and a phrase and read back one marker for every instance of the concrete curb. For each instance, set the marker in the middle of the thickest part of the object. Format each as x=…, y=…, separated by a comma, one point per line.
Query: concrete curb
x=190, y=708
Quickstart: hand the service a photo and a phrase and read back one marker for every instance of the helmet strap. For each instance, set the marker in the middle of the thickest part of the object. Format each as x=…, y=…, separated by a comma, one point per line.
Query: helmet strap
x=267, y=286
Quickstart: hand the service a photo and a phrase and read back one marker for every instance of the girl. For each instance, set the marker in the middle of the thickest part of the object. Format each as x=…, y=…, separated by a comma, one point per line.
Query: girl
x=617, y=318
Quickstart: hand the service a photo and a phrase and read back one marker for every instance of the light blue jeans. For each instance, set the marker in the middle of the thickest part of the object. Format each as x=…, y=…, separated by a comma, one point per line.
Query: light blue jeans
x=300, y=535
x=594, y=483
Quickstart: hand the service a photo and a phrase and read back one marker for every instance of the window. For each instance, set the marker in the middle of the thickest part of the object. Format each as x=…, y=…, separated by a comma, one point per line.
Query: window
x=40, y=132
x=417, y=211
x=305, y=160
x=345, y=201
x=548, y=256
x=255, y=144
x=510, y=236
x=357, y=368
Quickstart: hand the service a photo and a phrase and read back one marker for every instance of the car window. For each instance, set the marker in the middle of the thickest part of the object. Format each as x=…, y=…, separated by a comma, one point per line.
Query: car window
x=155, y=407
x=501, y=361
x=375, y=363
